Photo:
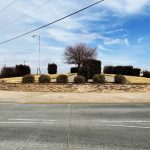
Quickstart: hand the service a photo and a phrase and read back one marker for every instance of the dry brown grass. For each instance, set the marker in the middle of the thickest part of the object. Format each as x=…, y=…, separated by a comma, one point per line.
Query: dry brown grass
x=19, y=79
x=137, y=80
x=133, y=79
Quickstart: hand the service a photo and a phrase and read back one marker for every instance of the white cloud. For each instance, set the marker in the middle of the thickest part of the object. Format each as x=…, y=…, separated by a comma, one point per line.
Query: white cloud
x=126, y=41
x=101, y=48
x=71, y=37
x=126, y=7
x=113, y=41
x=114, y=31
x=89, y=26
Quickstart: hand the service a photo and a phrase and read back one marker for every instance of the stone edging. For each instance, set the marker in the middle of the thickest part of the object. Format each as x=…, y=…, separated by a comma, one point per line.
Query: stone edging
x=75, y=88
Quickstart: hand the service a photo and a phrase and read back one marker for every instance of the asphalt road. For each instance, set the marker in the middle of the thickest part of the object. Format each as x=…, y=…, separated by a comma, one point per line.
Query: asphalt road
x=74, y=127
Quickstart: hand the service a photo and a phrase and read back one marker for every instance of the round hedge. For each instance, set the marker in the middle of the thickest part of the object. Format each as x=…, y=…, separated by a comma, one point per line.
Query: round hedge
x=28, y=79
x=62, y=79
x=120, y=79
x=44, y=79
x=98, y=78
x=79, y=79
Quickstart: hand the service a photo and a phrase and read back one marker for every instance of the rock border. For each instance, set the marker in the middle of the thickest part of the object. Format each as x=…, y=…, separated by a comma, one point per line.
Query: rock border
x=76, y=88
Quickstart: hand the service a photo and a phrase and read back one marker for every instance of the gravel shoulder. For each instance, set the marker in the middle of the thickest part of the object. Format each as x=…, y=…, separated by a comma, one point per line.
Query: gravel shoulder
x=72, y=98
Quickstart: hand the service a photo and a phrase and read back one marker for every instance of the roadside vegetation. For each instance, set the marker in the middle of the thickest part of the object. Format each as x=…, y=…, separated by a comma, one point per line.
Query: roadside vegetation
x=79, y=79
x=87, y=69
x=109, y=78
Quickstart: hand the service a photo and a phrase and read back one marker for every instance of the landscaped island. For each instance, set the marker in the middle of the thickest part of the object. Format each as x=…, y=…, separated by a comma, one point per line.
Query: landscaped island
x=133, y=84
x=86, y=76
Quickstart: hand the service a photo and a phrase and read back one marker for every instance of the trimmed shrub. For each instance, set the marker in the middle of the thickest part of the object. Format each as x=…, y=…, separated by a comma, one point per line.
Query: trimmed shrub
x=108, y=70
x=22, y=70
x=146, y=74
x=98, y=78
x=19, y=70
x=118, y=70
x=62, y=79
x=136, y=72
x=52, y=68
x=127, y=70
x=28, y=79
x=120, y=79
x=44, y=79
x=8, y=72
x=94, y=67
x=84, y=71
x=79, y=79
x=89, y=68
x=123, y=70
x=74, y=70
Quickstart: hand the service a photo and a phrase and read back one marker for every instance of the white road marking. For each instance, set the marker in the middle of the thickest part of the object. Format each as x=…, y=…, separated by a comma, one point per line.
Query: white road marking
x=23, y=119
x=43, y=120
x=124, y=126
x=126, y=121
x=26, y=122
x=49, y=120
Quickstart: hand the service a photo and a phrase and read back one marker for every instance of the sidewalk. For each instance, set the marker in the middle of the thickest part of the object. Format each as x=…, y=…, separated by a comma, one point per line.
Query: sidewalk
x=62, y=98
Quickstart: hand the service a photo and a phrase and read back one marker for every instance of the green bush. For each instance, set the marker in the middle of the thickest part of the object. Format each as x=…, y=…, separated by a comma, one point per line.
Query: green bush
x=18, y=71
x=22, y=70
x=28, y=79
x=94, y=67
x=74, y=70
x=62, y=79
x=98, y=78
x=44, y=79
x=123, y=70
x=146, y=74
x=79, y=79
x=84, y=71
x=120, y=79
x=7, y=72
x=52, y=68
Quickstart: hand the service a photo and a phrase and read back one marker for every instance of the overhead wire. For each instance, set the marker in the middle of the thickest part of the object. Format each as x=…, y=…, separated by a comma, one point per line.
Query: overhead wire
x=6, y=7
x=24, y=15
x=67, y=16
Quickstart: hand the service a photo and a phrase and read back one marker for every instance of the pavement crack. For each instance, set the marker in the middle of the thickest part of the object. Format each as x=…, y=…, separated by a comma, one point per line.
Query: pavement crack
x=31, y=136
x=69, y=127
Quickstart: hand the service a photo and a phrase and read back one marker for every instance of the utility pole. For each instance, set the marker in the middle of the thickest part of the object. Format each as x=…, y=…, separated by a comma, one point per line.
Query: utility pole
x=39, y=66
x=24, y=62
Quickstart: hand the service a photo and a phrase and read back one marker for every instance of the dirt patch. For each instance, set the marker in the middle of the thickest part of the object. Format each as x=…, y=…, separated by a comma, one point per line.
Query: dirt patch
x=74, y=88
x=73, y=98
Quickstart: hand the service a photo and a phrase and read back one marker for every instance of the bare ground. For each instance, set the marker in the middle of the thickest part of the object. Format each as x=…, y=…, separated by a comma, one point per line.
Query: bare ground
x=73, y=98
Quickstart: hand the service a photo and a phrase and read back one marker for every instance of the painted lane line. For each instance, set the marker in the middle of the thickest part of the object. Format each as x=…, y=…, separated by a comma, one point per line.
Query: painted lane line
x=124, y=121
x=124, y=126
x=46, y=120
x=49, y=120
x=26, y=122
x=23, y=119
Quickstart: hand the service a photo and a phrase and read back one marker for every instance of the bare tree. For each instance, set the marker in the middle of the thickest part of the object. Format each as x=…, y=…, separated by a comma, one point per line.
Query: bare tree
x=78, y=53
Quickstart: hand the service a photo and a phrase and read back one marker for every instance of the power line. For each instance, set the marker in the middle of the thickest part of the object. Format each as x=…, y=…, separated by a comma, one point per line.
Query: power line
x=2, y=10
x=14, y=38
x=24, y=15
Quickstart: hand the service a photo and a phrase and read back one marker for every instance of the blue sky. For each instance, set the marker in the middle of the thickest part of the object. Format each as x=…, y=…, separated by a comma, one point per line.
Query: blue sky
x=119, y=29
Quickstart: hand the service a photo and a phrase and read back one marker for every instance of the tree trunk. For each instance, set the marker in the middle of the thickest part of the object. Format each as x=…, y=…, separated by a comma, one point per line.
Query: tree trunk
x=79, y=67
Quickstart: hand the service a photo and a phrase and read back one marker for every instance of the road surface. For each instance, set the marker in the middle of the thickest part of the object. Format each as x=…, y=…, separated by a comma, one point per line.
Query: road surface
x=74, y=127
